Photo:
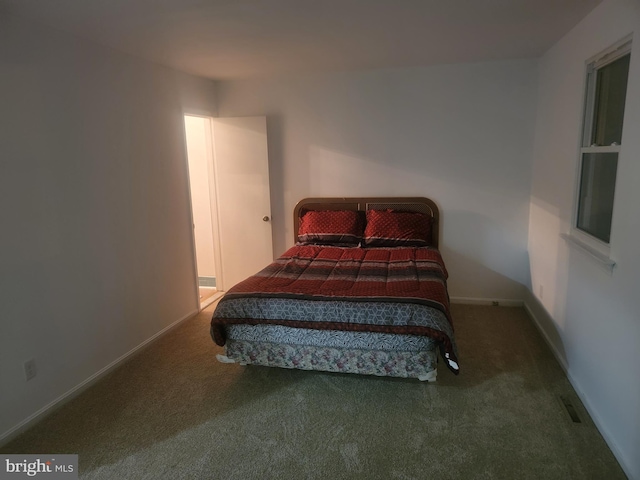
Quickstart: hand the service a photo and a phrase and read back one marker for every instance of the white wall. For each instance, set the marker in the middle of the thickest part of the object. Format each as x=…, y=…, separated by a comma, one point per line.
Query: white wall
x=199, y=153
x=95, y=249
x=460, y=134
x=591, y=317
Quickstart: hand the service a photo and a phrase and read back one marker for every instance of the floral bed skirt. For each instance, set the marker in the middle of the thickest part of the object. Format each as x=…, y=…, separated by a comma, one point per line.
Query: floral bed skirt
x=408, y=364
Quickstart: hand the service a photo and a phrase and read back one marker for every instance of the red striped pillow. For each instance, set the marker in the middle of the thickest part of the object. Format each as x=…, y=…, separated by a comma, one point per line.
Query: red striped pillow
x=331, y=227
x=389, y=228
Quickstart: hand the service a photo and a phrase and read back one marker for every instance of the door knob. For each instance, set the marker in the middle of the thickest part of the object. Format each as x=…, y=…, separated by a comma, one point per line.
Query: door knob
x=265, y=218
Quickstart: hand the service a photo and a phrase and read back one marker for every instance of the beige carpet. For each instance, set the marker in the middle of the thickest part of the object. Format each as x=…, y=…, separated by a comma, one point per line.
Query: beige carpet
x=206, y=292
x=174, y=412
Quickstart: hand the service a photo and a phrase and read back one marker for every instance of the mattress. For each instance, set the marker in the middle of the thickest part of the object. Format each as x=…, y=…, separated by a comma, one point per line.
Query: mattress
x=345, y=300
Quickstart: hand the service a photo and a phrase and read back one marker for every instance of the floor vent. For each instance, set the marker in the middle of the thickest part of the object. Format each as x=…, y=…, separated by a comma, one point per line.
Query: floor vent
x=207, y=282
x=570, y=409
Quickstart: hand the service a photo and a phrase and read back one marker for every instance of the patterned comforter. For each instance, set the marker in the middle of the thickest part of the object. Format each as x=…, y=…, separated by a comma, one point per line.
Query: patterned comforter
x=398, y=290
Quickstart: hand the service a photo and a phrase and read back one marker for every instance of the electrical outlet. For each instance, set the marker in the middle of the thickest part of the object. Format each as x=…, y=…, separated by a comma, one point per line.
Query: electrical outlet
x=541, y=292
x=30, y=370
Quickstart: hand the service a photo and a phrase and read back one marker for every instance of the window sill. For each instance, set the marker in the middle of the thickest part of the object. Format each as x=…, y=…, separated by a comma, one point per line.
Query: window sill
x=602, y=259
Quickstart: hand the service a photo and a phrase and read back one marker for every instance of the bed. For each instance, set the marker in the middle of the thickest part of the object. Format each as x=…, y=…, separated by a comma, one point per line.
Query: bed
x=363, y=290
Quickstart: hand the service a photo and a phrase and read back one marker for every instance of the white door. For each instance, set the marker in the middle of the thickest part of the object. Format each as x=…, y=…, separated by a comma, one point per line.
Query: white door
x=242, y=190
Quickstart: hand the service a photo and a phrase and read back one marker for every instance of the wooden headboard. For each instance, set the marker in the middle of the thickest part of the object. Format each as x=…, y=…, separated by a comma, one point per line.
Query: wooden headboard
x=410, y=204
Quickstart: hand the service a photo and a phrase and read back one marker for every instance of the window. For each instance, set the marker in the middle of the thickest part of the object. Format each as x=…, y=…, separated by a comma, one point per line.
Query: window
x=601, y=142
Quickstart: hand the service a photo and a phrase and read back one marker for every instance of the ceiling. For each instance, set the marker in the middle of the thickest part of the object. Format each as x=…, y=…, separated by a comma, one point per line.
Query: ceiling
x=229, y=39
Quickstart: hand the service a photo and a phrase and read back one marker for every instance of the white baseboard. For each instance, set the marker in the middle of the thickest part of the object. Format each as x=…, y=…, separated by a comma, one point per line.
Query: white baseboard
x=554, y=349
x=604, y=431
x=501, y=302
x=82, y=386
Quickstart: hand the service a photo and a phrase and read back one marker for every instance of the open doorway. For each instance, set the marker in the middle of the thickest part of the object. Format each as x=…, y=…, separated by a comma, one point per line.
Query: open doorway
x=203, y=207
x=230, y=200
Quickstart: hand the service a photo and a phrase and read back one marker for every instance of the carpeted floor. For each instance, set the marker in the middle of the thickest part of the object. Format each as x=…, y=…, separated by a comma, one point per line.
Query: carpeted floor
x=174, y=412
x=206, y=292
